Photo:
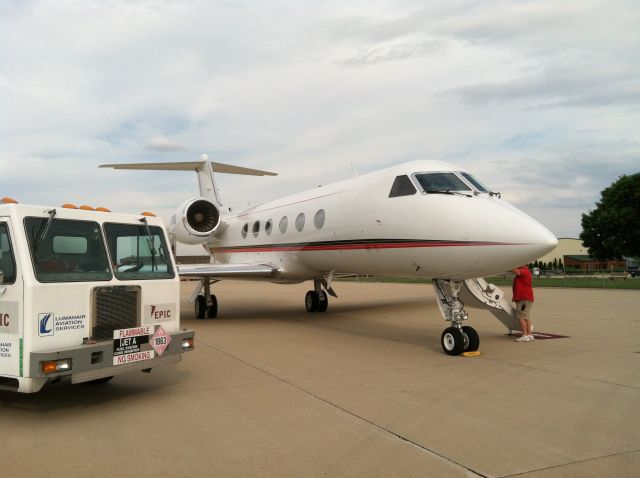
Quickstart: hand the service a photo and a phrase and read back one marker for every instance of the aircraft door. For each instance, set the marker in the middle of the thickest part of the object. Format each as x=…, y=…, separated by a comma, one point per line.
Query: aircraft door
x=11, y=295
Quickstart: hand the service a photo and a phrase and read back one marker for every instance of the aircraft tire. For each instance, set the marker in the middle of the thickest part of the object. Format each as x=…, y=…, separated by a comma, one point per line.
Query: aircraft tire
x=200, y=307
x=473, y=339
x=323, y=302
x=452, y=341
x=311, y=301
x=212, y=310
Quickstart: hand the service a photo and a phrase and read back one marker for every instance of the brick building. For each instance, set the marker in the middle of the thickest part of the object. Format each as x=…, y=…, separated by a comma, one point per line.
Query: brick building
x=585, y=262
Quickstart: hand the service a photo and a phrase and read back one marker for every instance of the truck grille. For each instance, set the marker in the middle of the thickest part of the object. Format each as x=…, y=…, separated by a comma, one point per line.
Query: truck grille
x=114, y=308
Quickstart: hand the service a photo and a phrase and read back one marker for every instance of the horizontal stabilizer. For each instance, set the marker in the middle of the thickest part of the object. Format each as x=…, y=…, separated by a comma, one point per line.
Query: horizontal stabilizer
x=190, y=166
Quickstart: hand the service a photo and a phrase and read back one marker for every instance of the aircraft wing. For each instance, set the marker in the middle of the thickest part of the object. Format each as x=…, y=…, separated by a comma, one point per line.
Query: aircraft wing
x=256, y=270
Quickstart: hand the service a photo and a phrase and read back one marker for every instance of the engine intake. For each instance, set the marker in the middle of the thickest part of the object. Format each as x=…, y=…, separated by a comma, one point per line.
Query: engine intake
x=197, y=220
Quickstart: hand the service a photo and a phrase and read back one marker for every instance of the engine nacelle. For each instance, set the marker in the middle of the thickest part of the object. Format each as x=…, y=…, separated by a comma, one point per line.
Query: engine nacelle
x=196, y=221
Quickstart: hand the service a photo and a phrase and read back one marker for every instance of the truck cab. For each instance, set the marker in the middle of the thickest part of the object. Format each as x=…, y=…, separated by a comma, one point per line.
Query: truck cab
x=85, y=293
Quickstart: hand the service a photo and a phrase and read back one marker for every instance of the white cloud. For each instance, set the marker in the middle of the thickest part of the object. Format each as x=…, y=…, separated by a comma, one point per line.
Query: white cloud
x=164, y=145
x=539, y=99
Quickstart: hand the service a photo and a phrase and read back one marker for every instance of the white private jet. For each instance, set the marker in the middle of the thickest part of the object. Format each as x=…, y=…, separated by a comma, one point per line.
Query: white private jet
x=421, y=219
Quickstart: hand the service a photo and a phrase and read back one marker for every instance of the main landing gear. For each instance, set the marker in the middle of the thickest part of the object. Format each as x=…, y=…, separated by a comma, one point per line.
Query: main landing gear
x=457, y=338
x=317, y=300
x=206, y=304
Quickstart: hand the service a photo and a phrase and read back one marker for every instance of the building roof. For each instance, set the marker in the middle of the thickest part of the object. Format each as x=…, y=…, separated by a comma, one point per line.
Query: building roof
x=587, y=258
x=581, y=258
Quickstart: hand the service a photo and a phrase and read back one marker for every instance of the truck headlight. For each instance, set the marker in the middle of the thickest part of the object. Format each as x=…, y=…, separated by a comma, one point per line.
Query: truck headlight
x=187, y=344
x=53, y=366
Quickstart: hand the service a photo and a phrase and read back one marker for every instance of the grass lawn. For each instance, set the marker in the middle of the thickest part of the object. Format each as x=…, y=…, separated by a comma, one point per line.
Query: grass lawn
x=575, y=282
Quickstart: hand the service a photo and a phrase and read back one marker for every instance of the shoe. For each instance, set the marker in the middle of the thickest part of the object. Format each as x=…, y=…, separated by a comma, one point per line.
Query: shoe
x=524, y=338
x=531, y=338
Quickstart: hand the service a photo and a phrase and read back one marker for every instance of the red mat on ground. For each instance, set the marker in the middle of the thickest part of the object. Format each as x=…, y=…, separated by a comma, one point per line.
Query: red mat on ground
x=540, y=335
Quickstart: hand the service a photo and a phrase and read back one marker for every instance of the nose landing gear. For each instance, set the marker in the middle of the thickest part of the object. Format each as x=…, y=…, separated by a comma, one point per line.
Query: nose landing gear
x=457, y=338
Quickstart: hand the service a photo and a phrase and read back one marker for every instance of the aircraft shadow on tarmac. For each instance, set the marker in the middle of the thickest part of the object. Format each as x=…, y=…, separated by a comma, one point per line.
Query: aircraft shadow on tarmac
x=340, y=319
x=266, y=311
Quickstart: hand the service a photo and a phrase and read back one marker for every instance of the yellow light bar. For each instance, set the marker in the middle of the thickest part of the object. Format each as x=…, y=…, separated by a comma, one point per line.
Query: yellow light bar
x=8, y=201
x=149, y=214
x=68, y=205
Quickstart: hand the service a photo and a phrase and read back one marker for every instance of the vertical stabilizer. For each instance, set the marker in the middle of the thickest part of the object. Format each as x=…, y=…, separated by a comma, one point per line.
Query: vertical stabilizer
x=207, y=181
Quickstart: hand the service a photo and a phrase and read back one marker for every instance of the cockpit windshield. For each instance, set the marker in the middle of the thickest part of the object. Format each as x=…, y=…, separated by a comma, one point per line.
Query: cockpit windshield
x=441, y=183
x=476, y=184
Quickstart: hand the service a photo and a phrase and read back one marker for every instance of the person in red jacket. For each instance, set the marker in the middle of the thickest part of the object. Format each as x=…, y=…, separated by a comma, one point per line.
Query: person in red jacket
x=523, y=297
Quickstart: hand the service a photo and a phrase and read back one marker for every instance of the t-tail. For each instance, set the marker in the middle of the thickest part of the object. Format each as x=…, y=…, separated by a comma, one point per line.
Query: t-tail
x=198, y=219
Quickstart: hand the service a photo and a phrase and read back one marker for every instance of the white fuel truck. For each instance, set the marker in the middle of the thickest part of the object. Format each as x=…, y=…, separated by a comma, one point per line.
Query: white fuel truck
x=84, y=293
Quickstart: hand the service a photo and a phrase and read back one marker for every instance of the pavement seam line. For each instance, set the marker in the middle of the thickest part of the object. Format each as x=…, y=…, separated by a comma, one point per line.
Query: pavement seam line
x=572, y=463
x=422, y=448
x=580, y=377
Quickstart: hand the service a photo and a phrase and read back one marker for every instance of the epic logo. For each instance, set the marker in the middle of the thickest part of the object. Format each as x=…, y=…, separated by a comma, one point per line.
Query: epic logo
x=45, y=324
x=161, y=313
x=4, y=320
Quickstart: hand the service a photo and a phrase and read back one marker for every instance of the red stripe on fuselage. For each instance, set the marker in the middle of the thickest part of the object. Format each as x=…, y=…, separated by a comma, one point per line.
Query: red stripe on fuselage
x=351, y=247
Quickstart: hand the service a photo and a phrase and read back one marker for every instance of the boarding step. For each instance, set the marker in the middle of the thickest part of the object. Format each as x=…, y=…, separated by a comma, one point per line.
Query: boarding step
x=480, y=294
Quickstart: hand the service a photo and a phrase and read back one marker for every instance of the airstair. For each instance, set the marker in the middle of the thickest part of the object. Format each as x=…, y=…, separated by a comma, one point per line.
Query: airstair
x=479, y=294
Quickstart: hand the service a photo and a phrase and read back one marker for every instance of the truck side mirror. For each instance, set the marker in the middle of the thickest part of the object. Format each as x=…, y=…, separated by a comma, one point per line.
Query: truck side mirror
x=1, y=277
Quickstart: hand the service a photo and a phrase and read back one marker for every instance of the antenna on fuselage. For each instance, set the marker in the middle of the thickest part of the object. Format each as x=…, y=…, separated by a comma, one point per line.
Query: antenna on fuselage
x=354, y=170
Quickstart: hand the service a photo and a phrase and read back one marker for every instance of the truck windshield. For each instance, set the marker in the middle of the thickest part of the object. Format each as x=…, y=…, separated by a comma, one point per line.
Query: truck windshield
x=63, y=250
x=138, y=252
x=7, y=263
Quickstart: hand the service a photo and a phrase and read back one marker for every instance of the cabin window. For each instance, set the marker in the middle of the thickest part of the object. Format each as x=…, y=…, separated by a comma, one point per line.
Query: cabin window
x=402, y=186
x=283, y=224
x=7, y=262
x=268, y=227
x=300, y=222
x=477, y=184
x=318, y=219
x=245, y=229
x=441, y=182
x=256, y=228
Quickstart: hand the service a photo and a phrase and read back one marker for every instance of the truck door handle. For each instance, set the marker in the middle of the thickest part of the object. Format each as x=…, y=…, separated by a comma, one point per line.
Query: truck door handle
x=2, y=289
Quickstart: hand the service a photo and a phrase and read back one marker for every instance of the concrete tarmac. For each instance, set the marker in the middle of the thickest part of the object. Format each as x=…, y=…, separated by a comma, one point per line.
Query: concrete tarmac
x=362, y=390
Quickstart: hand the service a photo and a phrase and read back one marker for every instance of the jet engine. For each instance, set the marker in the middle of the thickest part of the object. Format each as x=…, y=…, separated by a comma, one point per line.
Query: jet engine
x=196, y=221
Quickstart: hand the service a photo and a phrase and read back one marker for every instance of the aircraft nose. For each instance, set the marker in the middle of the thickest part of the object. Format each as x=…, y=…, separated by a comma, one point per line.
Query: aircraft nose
x=535, y=240
x=542, y=238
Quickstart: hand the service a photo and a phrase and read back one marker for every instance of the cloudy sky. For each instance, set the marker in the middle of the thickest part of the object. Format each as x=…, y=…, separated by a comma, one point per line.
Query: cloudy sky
x=540, y=100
